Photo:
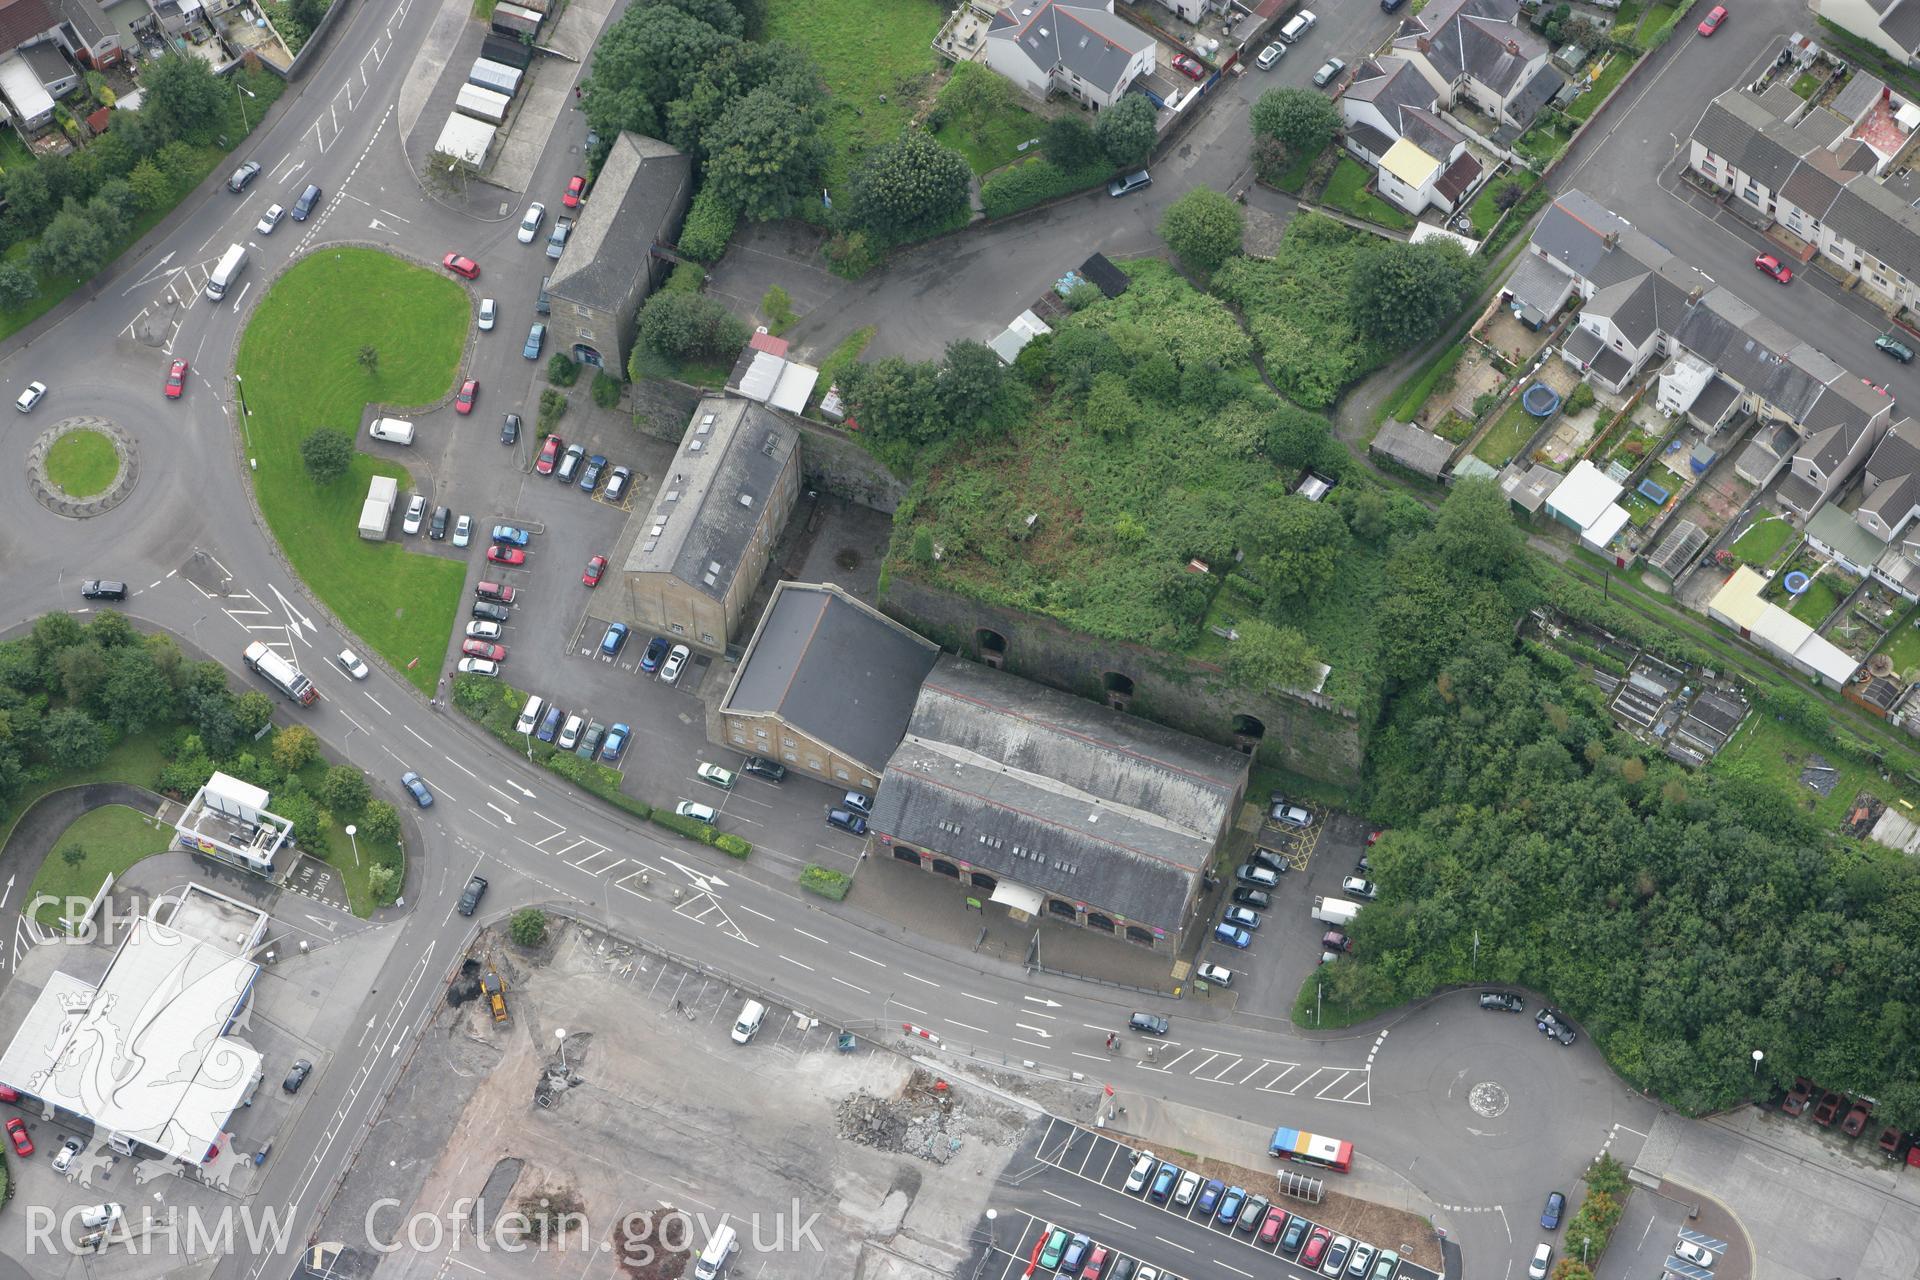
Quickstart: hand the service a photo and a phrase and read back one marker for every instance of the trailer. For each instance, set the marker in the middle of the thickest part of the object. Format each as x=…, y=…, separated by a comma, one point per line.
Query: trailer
x=1335, y=910
x=495, y=76
x=508, y=53
x=281, y=674
x=513, y=21
x=482, y=104
x=376, y=513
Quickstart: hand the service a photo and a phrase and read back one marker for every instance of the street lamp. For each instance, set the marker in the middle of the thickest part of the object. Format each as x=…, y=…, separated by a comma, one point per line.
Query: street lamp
x=1757, y=1056
x=351, y=832
x=238, y=90
x=991, y=1215
x=560, y=1034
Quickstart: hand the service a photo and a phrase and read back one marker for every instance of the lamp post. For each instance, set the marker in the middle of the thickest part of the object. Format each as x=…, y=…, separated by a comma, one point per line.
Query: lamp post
x=1757, y=1057
x=991, y=1215
x=239, y=89
x=246, y=414
x=560, y=1034
x=352, y=831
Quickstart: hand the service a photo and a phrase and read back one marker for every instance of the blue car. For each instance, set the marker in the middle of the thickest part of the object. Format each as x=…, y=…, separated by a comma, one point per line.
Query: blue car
x=1163, y=1182
x=421, y=796
x=1075, y=1256
x=536, y=338
x=1230, y=1205
x=616, y=636
x=590, y=478
x=1556, y=1205
x=507, y=535
x=655, y=655
x=614, y=744
x=1231, y=936
x=550, y=724
x=1210, y=1195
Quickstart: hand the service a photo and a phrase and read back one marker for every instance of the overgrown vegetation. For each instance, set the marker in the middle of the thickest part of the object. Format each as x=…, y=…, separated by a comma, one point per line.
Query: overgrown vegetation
x=826, y=882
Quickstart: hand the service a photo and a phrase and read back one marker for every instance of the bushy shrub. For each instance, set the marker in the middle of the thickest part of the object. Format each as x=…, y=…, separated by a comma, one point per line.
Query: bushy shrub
x=606, y=390
x=708, y=227
x=561, y=371
x=732, y=845
x=688, y=827
x=1034, y=181
x=825, y=882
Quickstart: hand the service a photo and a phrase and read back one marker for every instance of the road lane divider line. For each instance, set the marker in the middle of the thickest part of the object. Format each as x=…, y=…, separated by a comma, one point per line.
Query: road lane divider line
x=792, y=961
x=862, y=990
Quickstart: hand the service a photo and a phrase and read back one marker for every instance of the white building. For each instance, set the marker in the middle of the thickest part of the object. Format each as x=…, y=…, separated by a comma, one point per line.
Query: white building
x=228, y=819
x=1075, y=47
x=1739, y=607
x=1585, y=502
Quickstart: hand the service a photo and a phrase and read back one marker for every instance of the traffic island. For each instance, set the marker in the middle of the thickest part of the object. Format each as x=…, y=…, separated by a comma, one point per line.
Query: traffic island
x=83, y=467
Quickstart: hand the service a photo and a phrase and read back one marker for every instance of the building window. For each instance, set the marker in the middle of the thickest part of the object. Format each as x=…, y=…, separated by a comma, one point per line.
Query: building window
x=707, y=640
x=739, y=738
x=814, y=763
x=1751, y=195
x=840, y=773
x=760, y=733
x=676, y=628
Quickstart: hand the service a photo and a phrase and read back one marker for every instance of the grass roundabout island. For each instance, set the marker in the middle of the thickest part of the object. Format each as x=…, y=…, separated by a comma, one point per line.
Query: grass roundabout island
x=83, y=462
x=301, y=368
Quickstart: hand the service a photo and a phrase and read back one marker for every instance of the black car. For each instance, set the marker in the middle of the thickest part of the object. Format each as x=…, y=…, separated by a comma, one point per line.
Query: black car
x=243, y=176
x=488, y=611
x=298, y=1076
x=1151, y=1023
x=1269, y=859
x=470, y=896
x=1502, y=1001
x=438, y=529
x=852, y=823
x=1258, y=899
x=509, y=428
x=761, y=767
x=103, y=589
x=1553, y=1024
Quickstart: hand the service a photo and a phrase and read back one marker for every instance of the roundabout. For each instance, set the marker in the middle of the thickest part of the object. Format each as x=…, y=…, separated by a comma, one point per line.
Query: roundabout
x=83, y=467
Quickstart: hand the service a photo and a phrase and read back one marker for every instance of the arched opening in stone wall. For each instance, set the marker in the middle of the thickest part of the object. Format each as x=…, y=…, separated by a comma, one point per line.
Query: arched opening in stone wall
x=1247, y=733
x=992, y=646
x=1119, y=689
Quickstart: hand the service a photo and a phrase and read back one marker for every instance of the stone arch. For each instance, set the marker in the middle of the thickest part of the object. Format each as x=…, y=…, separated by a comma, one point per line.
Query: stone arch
x=1061, y=907
x=981, y=880
x=946, y=868
x=1118, y=687
x=905, y=854
x=1095, y=920
x=992, y=646
x=1247, y=733
x=1136, y=934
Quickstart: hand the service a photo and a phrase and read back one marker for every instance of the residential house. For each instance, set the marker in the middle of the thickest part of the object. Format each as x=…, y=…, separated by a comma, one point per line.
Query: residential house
x=1422, y=161
x=1889, y=504
x=1740, y=606
x=1481, y=52
x=1894, y=25
x=605, y=274
x=1075, y=47
x=36, y=39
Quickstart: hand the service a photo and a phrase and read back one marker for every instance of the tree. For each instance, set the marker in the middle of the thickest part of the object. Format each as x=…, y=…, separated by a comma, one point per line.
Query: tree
x=721, y=15
x=210, y=708
x=684, y=326
x=252, y=711
x=368, y=358
x=151, y=187
x=1203, y=227
x=1265, y=657
x=972, y=391
x=764, y=155
x=306, y=14
x=381, y=821
x=1298, y=438
x=294, y=748
x=83, y=670
x=562, y=369
x=640, y=64
x=1475, y=533
x=327, y=453
x=75, y=243
x=17, y=285
x=1125, y=130
x=1294, y=546
x=73, y=739
x=137, y=692
x=344, y=790
x=1508, y=192
x=383, y=883
x=528, y=928
x=1068, y=141
x=1301, y=120
x=29, y=197
x=893, y=399
x=73, y=855
x=908, y=187
x=1402, y=294
x=1110, y=410
x=183, y=96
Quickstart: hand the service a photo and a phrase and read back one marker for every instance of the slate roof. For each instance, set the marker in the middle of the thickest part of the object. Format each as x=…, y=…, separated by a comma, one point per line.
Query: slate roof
x=639, y=188
x=1483, y=39
x=1731, y=128
x=1798, y=493
x=1746, y=348
x=1417, y=450
x=1059, y=793
x=1536, y=94
x=1902, y=25
x=87, y=18
x=838, y=671
x=1893, y=476
x=1370, y=139
x=22, y=20
x=703, y=526
x=1459, y=178
x=1594, y=243
x=1657, y=302
x=1859, y=93
x=1111, y=280
x=1081, y=35
x=1539, y=285
x=1714, y=399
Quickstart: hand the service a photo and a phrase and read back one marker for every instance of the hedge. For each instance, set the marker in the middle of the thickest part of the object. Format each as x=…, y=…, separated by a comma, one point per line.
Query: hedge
x=1591, y=1226
x=1034, y=181
x=732, y=845
x=825, y=882
x=707, y=227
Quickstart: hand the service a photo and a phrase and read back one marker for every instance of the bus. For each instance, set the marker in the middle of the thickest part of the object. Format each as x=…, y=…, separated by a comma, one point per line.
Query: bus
x=1310, y=1148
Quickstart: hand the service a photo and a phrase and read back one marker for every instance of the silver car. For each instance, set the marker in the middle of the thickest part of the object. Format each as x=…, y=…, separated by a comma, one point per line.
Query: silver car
x=530, y=225
x=270, y=219
x=416, y=512
x=463, y=531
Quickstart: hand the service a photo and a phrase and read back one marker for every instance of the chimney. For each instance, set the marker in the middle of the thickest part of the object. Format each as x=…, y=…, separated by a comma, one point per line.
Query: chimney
x=1424, y=45
x=1611, y=240
x=1694, y=297
x=1513, y=48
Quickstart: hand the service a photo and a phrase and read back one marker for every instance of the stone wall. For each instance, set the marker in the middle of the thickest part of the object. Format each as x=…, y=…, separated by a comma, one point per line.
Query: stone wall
x=832, y=462
x=1316, y=739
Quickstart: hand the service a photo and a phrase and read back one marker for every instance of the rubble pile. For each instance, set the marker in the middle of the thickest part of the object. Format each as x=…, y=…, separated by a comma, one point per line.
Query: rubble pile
x=926, y=1120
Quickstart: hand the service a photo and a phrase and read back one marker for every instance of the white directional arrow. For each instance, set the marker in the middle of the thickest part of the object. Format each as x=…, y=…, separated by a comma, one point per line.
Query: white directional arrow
x=1042, y=1032
x=505, y=816
x=8, y=893
x=522, y=790
x=159, y=269
x=1042, y=1001
x=287, y=606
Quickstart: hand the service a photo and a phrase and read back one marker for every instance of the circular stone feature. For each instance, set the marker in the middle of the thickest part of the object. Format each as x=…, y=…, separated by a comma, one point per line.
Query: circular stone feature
x=1488, y=1099
x=83, y=463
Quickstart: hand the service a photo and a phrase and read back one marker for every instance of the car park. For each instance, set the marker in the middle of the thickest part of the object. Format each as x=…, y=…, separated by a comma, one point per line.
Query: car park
x=1768, y=265
x=437, y=526
x=509, y=428
x=1187, y=1188
x=471, y=895
x=510, y=535
x=17, y=1134
x=417, y=787
x=1259, y=899
x=1329, y=70
x=656, y=653
x=550, y=724
x=590, y=477
x=1360, y=887
x=1886, y=342
x=616, y=742
x=494, y=591
x=1231, y=936
x=1148, y=1023
x=463, y=531
x=349, y=661
x=36, y=390
x=548, y=453
x=176, y=379
x=63, y=1158
x=536, y=338
x=1141, y=1174
x=1337, y=1256
x=676, y=662
x=590, y=740
x=617, y=481
x=714, y=775
x=103, y=589
x=1272, y=1225
x=1502, y=1001
x=1316, y=1250
x=1210, y=1195
x=1163, y=1182
x=576, y=187
x=1096, y=1265
x=570, y=463
x=239, y=180
x=1213, y=973
x=506, y=555
x=1555, y=1206
x=489, y=312
x=1250, y=1214
x=569, y=736
x=852, y=823
x=761, y=767
x=461, y=265
x=490, y=611
x=697, y=811
x=469, y=392
x=1711, y=23
x=1270, y=56
x=530, y=225
x=1257, y=877
x=481, y=649
x=1295, y=1232
x=613, y=639
x=596, y=565
x=1242, y=917
x=478, y=667
x=1285, y=812
x=416, y=512
x=1698, y=1255
x=1542, y=1257
x=483, y=631
x=1055, y=1246
x=1127, y=184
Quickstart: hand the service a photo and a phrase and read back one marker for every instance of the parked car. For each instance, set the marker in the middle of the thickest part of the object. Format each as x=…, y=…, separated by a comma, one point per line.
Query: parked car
x=1316, y=1250
x=1231, y=936
x=1856, y=1122
x=468, y=393
x=557, y=242
x=761, y=767
x=1284, y=811
x=1553, y=1024
x=1188, y=67
x=697, y=811
x=477, y=667
x=416, y=512
x=1337, y=1255
x=1270, y=56
x=676, y=663
x=1257, y=898
x=1799, y=1096
x=1164, y=1182
x=1056, y=1245
x=482, y=649
x=1213, y=973
x=1129, y=183
x=471, y=895
x=1334, y=940
x=1144, y=1166
x=1886, y=342
x=176, y=379
x=1210, y=1196
x=511, y=535
x=1149, y=1023
x=494, y=591
x=1388, y=1261
x=1272, y=1225
x=536, y=338
x=656, y=653
x=576, y=187
x=491, y=611
x=1542, y=1258
x=1360, y=887
x=1257, y=877
x=596, y=565
x=506, y=555
x=483, y=631
x=1296, y=1232
x=569, y=736
x=549, y=453
x=615, y=637
x=463, y=531
x=461, y=265
x=1711, y=23
x=349, y=662
x=1361, y=1263
x=417, y=787
x=17, y=1134
x=617, y=481
x=1768, y=265
x=590, y=740
x=1698, y=1255
x=489, y=312
x=1502, y=1001
x=570, y=463
x=1550, y=1215
x=714, y=775
x=616, y=742
x=509, y=428
x=858, y=801
x=530, y=225
x=1230, y=1206
x=852, y=823
x=590, y=476
x=1096, y=1265
x=63, y=1158
x=297, y=1076
x=1242, y=917
x=437, y=526
x=1251, y=1213
x=1329, y=71
x=1268, y=858
x=1186, y=1189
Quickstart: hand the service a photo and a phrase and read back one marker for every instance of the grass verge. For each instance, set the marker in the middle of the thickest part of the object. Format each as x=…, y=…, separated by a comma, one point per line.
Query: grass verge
x=1347, y=189
x=137, y=758
x=299, y=363
x=111, y=839
x=83, y=463
x=1610, y=76
x=1316, y=1006
x=1416, y=390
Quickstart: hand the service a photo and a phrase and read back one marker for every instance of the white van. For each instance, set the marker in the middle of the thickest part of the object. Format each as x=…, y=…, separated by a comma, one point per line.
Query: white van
x=226, y=271
x=1301, y=23
x=392, y=430
x=749, y=1021
x=713, y=1258
x=530, y=714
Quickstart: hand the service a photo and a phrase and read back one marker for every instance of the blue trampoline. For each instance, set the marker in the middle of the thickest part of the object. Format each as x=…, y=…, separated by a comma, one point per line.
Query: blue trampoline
x=1652, y=492
x=1797, y=582
x=1540, y=400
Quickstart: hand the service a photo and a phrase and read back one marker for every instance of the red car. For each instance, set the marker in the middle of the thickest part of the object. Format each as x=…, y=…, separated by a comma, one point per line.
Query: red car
x=176, y=379
x=1096, y=1263
x=17, y=1130
x=1188, y=67
x=1711, y=23
x=481, y=649
x=1271, y=1227
x=1768, y=265
x=1316, y=1247
x=576, y=188
x=506, y=555
x=463, y=403
x=549, y=454
x=461, y=265
x=595, y=567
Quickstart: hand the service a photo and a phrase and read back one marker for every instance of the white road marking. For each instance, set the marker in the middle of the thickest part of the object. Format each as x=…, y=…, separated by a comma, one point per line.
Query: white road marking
x=869, y=959
x=462, y=768
x=803, y=933
x=763, y=915
x=862, y=990
x=1182, y=1248
x=1063, y=1200
x=916, y=977
x=791, y=960
x=982, y=999
x=376, y=702
x=952, y=1023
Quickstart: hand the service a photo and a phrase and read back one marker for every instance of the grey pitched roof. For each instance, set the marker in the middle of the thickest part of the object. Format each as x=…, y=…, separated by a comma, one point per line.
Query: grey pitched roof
x=1858, y=93
x=87, y=18
x=1080, y=35
x=642, y=184
x=1746, y=348
x=713, y=495
x=1369, y=139
x=1430, y=132
x=1536, y=94
x=1595, y=243
x=838, y=671
x=1893, y=475
x=1902, y=25
x=1732, y=128
x=1797, y=493
x=1059, y=793
x=1812, y=187
x=1539, y=285
x=1481, y=38
x=1880, y=223
x=1414, y=449
x=1714, y=398
x=1654, y=303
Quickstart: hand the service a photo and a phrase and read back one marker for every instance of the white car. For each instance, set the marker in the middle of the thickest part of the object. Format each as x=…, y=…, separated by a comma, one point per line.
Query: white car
x=698, y=812
x=99, y=1215
x=1144, y=1163
x=1361, y=887
x=416, y=512
x=1213, y=973
x=463, y=531
x=487, y=313
x=31, y=396
x=1330, y=69
x=530, y=225
x=1271, y=55
x=670, y=669
x=1688, y=1251
x=350, y=663
x=479, y=667
x=715, y=775
x=63, y=1158
x=270, y=219
x=483, y=631
x=1542, y=1257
